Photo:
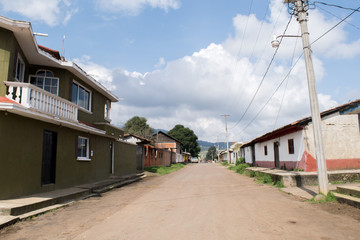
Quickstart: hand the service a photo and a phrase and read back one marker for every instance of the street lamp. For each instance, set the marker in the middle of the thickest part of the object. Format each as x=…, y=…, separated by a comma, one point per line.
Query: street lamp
x=275, y=42
x=299, y=8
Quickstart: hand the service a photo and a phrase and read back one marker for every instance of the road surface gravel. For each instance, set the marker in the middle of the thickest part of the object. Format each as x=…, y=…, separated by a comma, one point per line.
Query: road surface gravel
x=200, y=201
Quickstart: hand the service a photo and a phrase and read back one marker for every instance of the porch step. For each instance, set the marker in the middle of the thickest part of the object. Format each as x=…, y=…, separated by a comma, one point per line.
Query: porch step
x=342, y=198
x=116, y=185
x=19, y=206
x=353, y=191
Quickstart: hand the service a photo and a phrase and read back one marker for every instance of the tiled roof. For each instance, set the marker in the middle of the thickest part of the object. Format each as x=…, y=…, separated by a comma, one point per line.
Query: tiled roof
x=7, y=100
x=52, y=52
x=298, y=125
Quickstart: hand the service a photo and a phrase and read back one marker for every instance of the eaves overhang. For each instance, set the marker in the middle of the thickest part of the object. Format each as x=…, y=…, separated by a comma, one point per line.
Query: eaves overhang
x=25, y=36
x=25, y=112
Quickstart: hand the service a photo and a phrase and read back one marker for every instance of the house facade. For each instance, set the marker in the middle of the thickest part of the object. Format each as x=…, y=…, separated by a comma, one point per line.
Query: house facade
x=55, y=125
x=164, y=141
x=293, y=147
x=235, y=151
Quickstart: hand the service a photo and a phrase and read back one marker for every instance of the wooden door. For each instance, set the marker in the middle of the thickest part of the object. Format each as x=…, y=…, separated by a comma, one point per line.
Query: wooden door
x=48, y=168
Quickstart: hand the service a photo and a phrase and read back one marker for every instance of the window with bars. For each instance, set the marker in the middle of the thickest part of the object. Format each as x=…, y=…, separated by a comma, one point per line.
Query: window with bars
x=291, y=146
x=265, y=150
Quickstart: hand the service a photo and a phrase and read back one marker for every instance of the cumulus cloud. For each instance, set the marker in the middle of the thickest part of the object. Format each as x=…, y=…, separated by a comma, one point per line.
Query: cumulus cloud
x=223, y=78
x=133, y=7
x=98, y=72
x=52, y=12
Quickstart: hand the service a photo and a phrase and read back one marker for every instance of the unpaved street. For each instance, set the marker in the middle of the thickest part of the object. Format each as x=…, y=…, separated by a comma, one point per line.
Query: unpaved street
x=201, y=201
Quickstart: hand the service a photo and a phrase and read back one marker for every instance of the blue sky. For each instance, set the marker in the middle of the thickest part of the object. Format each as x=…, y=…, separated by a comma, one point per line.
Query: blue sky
x=187, y=62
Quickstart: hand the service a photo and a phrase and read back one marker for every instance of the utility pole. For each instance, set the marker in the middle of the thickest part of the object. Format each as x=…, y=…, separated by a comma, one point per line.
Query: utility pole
x=227, y=140
x=300, y=8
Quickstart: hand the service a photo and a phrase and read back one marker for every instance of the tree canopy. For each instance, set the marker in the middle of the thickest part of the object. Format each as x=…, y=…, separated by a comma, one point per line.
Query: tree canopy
x=188, y=139
x=211, y=153
x=138, y=126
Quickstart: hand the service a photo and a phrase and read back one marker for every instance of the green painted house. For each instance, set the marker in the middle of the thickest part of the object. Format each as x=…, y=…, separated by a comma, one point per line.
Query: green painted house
x=55, y=129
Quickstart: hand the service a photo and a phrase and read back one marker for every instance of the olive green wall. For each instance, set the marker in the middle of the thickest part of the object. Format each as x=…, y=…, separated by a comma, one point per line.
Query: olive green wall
x=21, y=156
x=125, y=158
x=65, y=83
x=5, y=42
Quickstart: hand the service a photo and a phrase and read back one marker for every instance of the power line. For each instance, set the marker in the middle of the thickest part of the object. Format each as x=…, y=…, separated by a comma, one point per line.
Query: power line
x=338, y=17
x=253, y=50
x=262, y=80
x=271, y=95
x=293, y=68
x=355, y=10
x=333, y=5
x=241, y=45
x=282, y=99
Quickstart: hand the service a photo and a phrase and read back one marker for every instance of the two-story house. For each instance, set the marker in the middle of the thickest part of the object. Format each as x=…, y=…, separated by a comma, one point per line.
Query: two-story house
x=55, y=129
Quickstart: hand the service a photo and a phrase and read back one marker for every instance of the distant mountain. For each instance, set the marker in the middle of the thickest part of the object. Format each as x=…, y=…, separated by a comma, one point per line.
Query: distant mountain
x=160, y=130
x=205, y=145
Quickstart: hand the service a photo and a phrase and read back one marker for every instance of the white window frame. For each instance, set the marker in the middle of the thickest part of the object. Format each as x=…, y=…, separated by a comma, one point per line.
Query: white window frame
x=77, y=96
x=87, y=157
x=43, y=86
x=21, y=74
x=107, y=109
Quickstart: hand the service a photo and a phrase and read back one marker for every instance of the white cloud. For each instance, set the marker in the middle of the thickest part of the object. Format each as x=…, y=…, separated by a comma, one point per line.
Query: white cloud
x=160, y=63
x=49, y=11
x=98, y=72
x=222, y=79
x=133, y=7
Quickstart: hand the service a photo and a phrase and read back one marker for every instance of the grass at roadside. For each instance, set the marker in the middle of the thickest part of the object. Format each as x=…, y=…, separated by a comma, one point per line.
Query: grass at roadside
x=263, y=178
x=330, y=197
x=162, y=170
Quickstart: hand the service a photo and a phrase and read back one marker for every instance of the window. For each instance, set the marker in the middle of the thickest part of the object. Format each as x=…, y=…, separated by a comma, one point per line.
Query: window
x=291, y=146
x=81, y=96
x=265, y=150
x=107, y=110
x=83, y=149
x=20, y=69
x=45, y=79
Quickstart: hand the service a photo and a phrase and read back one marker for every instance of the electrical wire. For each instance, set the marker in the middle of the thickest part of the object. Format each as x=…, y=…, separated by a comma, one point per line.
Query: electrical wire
x=355, y=10
x=266, y=72
x=333, y=5
x=253, y=50
x=287, y=81
x=241, y=45
x=258, y=113
x=338, y=17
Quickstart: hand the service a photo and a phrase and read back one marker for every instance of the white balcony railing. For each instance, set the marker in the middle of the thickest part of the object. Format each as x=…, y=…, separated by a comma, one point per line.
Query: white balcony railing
x=40, y=100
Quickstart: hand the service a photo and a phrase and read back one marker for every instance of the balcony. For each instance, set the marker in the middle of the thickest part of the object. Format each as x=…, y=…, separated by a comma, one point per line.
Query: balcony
x=41, y=101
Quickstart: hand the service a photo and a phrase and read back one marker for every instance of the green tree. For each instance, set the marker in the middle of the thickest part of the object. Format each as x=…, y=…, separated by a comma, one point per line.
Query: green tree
x=138, y=126
x=211, y=153
x=188, y=139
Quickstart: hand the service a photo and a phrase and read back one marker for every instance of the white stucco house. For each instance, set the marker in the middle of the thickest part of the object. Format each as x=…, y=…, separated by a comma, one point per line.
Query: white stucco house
x=292, y=146
x=235, y=151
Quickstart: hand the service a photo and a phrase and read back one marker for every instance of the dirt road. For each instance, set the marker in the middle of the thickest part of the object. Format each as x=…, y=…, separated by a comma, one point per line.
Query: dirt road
x=201, y=201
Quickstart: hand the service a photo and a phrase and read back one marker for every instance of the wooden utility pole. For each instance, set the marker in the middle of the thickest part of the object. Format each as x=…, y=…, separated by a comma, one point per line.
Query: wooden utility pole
x=227, y=140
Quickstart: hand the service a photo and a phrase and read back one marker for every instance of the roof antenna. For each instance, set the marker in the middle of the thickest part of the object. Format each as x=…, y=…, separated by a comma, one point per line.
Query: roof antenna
x=63, y=48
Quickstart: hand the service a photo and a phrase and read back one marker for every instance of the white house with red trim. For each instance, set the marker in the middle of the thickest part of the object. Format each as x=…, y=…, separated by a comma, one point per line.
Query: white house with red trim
x=292, y=146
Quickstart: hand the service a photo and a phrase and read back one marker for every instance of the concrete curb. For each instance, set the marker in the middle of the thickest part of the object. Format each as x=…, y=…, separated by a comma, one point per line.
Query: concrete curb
x=14, y=210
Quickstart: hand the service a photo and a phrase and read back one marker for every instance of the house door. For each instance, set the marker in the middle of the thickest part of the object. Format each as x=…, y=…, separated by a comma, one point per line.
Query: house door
x=253, y=155
x=276, y=155
x=139, y=158
x=48, y=167
x=111, y=157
